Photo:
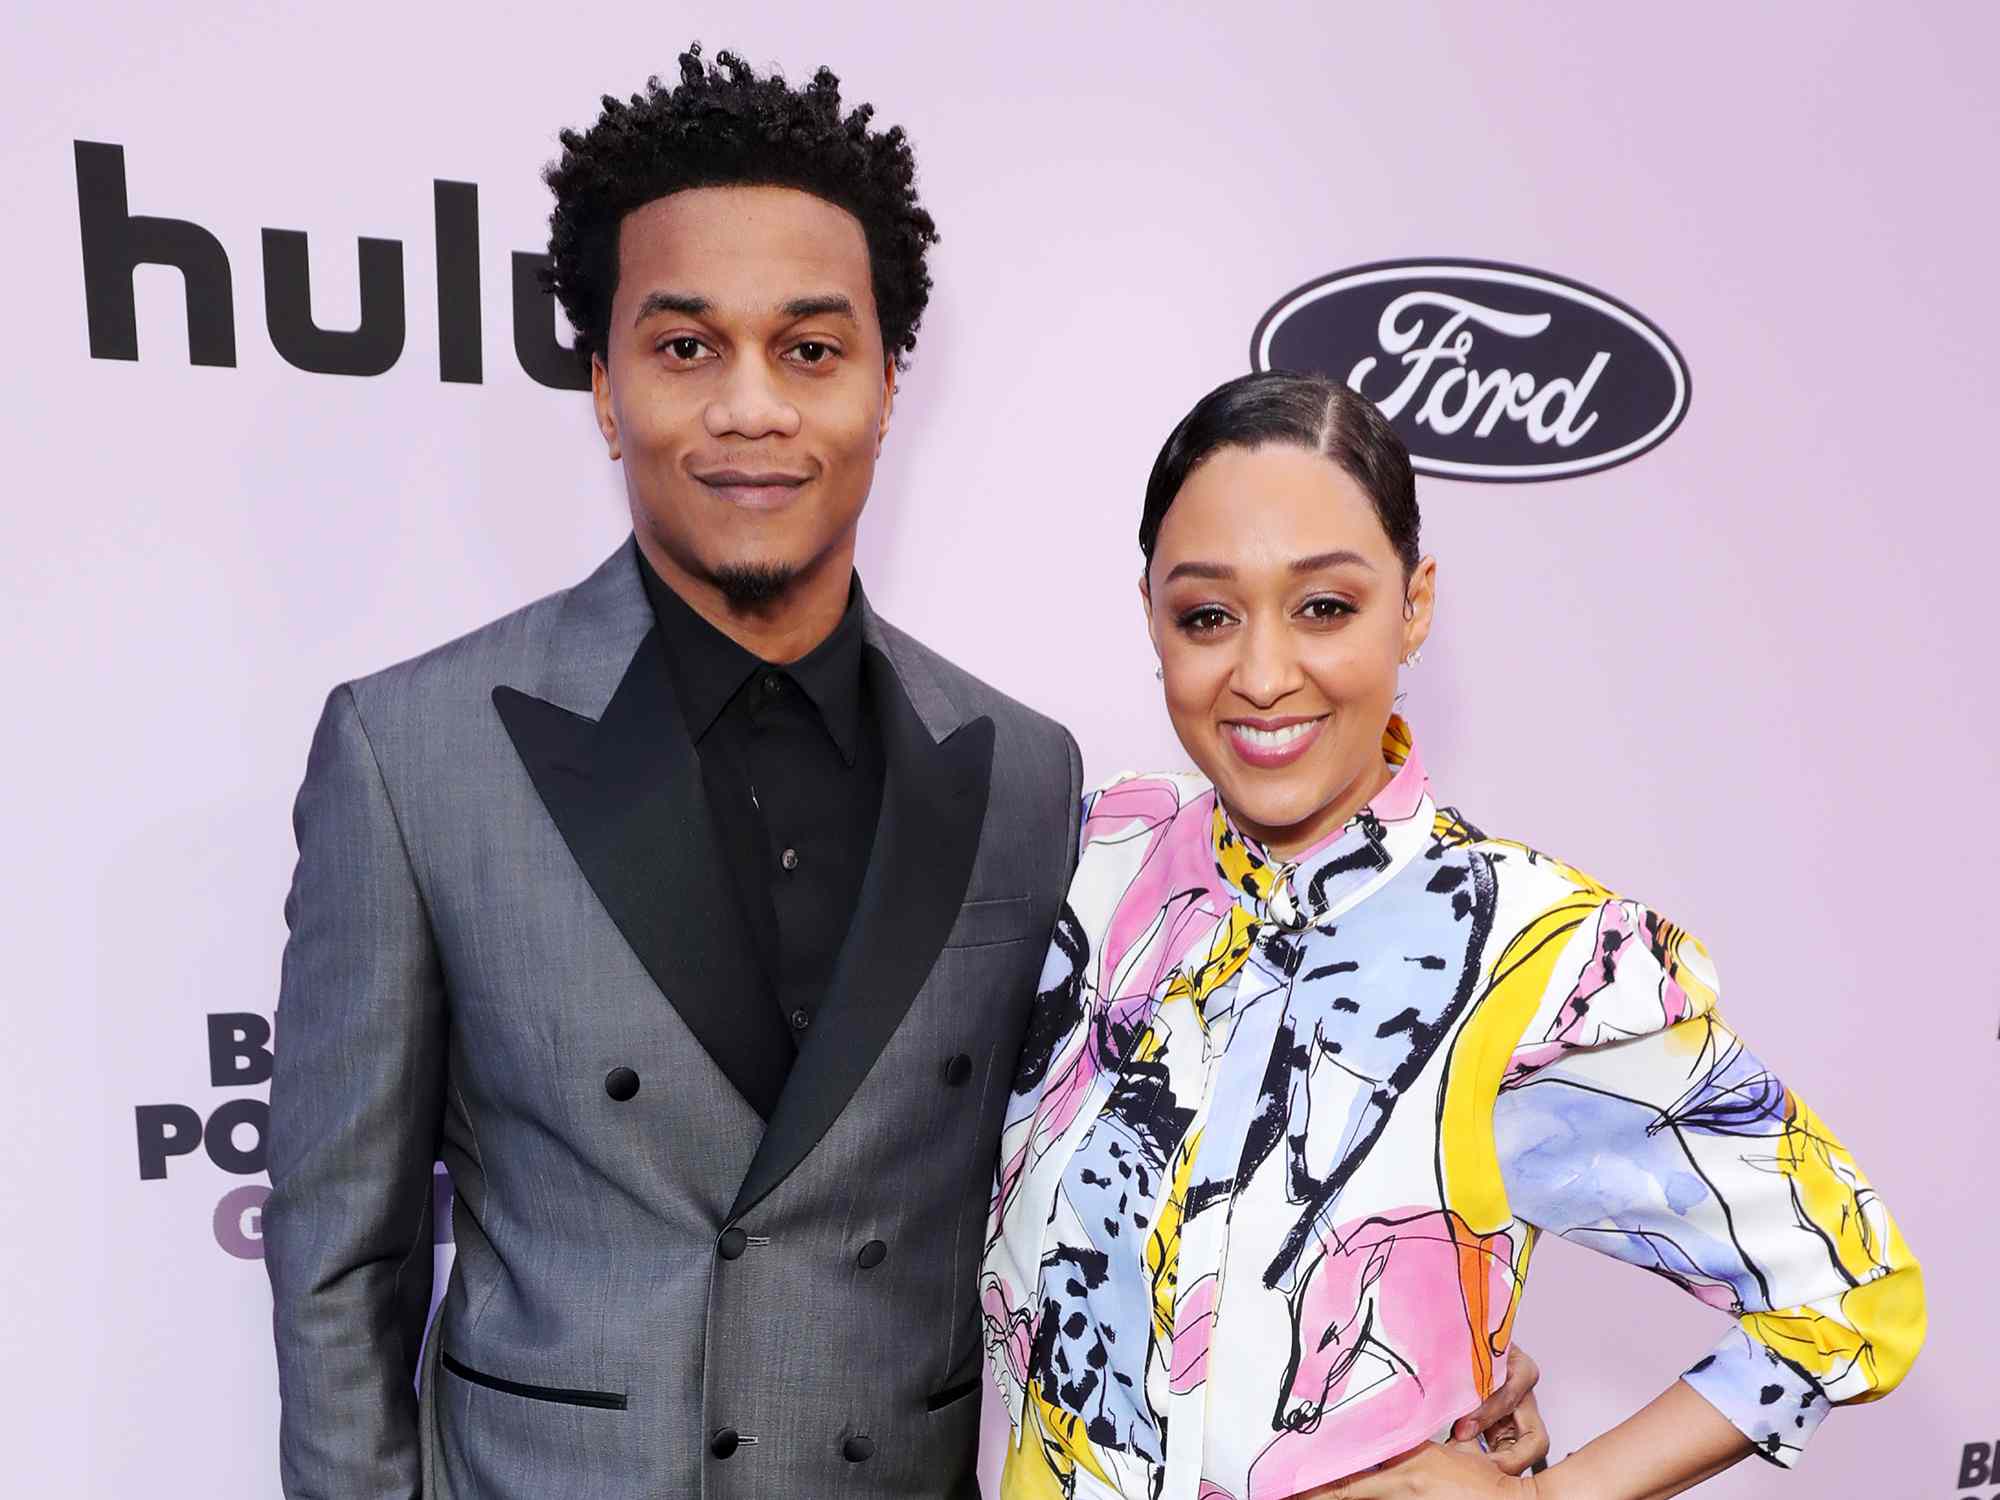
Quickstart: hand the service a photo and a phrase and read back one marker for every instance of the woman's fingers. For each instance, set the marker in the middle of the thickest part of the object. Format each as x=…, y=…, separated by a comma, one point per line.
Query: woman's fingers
x=1526, y=1444
x=1523, y=1374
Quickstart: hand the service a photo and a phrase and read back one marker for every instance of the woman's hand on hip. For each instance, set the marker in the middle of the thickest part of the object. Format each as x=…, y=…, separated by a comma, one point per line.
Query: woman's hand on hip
x=1517, y=1439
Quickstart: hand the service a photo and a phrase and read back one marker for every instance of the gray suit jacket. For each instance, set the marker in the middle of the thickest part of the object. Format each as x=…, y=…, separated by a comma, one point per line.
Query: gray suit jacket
x=513, y=946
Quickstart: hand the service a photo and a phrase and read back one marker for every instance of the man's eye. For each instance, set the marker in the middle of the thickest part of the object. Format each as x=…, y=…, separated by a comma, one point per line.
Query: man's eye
x=812, y=352
x=683, y=348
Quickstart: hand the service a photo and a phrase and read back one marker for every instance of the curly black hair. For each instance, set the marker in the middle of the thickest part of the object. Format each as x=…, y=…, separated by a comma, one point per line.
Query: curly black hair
x=722, y=125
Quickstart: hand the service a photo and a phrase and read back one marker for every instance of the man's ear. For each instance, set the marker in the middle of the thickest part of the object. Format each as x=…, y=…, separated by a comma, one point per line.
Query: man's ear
x=600, y=396
x=888, y=402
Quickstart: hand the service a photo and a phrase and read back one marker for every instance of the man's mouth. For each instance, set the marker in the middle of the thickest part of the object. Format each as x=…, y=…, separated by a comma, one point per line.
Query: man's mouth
x=753, y=489
x=1270, y=743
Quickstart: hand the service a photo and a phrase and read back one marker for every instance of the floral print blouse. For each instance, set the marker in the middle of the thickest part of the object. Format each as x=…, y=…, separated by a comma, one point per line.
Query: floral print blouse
x=1284, y=1132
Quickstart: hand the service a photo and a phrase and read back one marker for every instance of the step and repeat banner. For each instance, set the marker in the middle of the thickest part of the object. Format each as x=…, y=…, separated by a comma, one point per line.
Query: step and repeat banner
x=1687, y=319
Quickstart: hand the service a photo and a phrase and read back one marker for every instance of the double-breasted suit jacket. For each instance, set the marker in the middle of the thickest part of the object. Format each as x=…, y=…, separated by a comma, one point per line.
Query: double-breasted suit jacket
x=514, y=946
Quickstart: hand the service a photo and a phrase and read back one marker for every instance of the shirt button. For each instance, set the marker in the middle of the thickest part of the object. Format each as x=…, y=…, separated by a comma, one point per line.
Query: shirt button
x=800, y=1020
x=872, y=1255
x=772, y=683
x=789, y=859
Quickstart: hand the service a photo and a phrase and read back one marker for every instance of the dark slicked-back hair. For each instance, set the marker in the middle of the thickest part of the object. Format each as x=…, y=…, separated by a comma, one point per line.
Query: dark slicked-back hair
x=1306, y=411
x=724, y=126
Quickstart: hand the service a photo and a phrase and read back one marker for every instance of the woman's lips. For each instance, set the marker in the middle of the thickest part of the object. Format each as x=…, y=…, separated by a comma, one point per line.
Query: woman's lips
x=1272, y=743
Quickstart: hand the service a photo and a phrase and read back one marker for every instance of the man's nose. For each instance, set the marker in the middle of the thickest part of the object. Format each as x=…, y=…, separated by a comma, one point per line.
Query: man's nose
x=750, y=405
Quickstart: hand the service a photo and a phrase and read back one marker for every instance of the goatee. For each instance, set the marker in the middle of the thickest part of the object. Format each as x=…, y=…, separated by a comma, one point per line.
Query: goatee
x=752, y=585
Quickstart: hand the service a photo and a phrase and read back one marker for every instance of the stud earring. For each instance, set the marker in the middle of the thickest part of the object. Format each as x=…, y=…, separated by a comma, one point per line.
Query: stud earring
x=1415, y=658
x=1161, y=673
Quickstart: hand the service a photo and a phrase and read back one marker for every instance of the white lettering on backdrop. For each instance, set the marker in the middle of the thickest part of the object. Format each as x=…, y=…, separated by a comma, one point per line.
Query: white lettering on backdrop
x=1555, y=411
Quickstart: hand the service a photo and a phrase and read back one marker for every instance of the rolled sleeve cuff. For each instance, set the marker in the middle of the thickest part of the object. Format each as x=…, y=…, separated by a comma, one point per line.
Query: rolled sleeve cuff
x=1768, y=1401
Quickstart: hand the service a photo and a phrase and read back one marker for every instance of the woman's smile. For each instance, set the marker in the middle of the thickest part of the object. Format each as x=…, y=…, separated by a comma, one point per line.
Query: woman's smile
x=1267, y=744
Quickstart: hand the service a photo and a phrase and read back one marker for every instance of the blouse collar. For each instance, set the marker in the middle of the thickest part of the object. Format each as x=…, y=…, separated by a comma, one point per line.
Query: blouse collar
x=1344, y=867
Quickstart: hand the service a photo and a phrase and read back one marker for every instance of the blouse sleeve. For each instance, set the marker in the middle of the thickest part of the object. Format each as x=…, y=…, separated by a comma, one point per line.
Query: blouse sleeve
x=1633, y=1121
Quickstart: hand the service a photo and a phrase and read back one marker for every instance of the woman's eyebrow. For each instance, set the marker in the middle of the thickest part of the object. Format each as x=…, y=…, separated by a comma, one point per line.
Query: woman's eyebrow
x=1330, y=560
x=1217, y=571
x=1222, y=572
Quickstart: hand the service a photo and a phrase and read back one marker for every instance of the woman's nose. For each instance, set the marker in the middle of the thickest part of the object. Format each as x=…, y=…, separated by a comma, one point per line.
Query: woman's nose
x=1267, y=668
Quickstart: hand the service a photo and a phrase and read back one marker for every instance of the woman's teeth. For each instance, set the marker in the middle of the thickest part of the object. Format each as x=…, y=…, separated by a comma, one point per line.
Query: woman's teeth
x=1273, y=739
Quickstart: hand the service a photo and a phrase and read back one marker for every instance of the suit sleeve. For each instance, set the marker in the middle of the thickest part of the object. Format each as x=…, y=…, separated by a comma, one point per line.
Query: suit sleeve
x=1634, y=1121
x=1079, y=807
x=355, y=1118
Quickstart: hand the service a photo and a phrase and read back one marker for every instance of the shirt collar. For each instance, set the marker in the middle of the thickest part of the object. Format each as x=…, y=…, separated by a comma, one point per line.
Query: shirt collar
x=1337, y=872
x=709, y=668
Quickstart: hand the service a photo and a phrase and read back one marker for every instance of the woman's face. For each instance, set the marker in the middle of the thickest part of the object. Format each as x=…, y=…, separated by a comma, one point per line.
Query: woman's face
x=1280, y=614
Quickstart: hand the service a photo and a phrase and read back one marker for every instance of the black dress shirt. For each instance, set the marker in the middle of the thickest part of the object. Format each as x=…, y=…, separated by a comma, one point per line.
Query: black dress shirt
x=791, y=757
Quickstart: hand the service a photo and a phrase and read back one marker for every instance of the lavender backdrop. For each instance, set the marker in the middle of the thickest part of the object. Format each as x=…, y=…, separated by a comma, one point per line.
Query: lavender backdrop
x=1746, y=677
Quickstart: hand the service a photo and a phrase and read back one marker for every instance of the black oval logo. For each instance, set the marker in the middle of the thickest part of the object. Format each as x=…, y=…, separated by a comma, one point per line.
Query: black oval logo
x=1488, y=371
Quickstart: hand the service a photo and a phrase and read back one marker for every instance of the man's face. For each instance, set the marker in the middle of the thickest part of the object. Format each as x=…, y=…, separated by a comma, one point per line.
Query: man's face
x=744, y=385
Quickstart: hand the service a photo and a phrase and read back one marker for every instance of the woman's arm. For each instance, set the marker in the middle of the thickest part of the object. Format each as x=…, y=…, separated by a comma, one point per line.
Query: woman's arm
x=1671, y=1445
x=1634, y=1122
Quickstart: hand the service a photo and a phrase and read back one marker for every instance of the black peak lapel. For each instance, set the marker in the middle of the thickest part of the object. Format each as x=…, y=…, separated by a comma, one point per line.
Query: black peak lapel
x=933, y=805
x=626, y=792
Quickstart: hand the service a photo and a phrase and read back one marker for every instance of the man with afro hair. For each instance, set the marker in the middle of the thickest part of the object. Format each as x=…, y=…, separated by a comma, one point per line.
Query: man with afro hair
x=691, y=915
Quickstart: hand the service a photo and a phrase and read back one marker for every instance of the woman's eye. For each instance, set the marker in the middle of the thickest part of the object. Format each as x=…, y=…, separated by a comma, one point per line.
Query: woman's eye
x=1326, y=609
x=1204, y=619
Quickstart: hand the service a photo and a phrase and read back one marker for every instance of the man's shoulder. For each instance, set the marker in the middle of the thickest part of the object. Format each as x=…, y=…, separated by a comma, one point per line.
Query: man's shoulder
x=461, y=672
x=977, y=698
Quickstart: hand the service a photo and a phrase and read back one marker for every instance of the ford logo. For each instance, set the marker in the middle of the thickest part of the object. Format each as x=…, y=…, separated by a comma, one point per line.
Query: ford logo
x=1488, y=371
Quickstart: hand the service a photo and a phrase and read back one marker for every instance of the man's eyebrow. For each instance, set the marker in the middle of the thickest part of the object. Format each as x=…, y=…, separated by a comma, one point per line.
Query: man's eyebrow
x=685, y=303
x=831, y=304
x=1330, y=560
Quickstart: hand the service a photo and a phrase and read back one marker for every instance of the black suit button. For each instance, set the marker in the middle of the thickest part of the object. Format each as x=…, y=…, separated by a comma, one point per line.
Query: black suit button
x=800, y=1020
x=732, y=1243
x=872, y=1255
x=858, y=1450
x=958, y=1072
x=621, y=1084
x=724, y=1442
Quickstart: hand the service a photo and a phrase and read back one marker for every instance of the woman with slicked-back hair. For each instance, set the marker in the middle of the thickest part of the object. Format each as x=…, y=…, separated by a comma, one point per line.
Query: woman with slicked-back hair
x=1315, y=1060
